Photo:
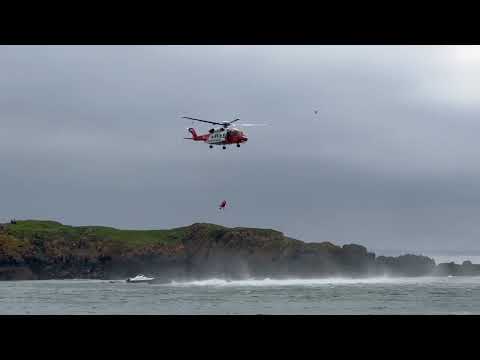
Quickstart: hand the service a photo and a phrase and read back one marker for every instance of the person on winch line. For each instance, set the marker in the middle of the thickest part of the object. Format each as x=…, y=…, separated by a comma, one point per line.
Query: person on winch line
x=223, y=204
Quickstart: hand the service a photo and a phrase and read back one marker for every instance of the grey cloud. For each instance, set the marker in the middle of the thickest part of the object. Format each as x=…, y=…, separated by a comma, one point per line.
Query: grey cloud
x=93, y=134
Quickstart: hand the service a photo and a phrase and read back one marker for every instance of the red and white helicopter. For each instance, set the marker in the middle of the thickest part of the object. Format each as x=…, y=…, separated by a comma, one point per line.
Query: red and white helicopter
x=222, y=135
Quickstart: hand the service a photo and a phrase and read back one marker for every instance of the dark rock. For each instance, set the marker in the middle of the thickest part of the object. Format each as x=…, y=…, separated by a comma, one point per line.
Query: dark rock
x=405, y=265
x=446, y=269
x=16, y=273
x=52, y=250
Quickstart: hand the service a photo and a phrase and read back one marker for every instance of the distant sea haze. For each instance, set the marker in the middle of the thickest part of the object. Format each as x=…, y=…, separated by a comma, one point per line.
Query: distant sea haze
x=458, y=259
x=439, y=257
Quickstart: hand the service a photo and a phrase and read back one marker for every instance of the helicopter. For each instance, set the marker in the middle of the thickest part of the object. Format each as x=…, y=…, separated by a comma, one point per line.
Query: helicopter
x=222, y=135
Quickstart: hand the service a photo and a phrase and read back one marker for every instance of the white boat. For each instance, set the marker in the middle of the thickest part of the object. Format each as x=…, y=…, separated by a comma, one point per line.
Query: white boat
x=140, y=278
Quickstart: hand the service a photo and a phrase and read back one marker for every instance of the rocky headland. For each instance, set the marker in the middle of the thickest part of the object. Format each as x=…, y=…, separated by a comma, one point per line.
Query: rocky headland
x=35, y=249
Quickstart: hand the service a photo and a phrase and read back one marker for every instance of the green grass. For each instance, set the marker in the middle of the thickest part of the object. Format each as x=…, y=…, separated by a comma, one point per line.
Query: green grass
x=31, y=228
x=57, y=234
x=128, y=238
x=137, y=237
x=258, y=231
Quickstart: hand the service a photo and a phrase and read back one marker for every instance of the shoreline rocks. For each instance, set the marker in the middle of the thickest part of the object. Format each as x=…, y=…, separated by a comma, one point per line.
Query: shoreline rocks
x=49, y=250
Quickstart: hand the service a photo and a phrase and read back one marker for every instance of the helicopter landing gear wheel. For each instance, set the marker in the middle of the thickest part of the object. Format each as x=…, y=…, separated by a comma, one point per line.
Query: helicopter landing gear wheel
x=224, y=147
x=238, y=145
x=211, y=146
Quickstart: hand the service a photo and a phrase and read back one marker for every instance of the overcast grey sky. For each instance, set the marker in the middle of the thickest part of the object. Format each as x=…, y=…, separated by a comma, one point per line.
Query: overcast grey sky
x=94, y=135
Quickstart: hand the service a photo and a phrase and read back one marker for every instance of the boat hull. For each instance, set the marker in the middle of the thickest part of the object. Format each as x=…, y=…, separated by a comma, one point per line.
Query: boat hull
x=139, y=281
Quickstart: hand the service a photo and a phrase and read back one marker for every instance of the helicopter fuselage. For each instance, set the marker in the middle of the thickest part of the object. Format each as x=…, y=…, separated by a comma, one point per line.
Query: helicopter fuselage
x=220, y=136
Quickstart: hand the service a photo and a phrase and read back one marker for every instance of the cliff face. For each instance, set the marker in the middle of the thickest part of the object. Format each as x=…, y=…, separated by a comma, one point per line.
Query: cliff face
x=245, y=252
x=405, y=265
x=466, y=268
x=50, y=250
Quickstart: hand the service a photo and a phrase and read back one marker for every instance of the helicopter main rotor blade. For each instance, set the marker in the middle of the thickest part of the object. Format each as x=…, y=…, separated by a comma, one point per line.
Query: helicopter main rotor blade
x=231, y=122
x=205, y=121
x=253, y=124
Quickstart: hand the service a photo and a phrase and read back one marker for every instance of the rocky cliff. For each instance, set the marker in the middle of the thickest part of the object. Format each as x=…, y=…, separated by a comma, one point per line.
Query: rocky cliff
x=49, y=250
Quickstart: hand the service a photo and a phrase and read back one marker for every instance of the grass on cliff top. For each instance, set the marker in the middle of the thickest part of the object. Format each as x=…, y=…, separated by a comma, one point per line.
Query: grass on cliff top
x=44, y=229
x=29, y=228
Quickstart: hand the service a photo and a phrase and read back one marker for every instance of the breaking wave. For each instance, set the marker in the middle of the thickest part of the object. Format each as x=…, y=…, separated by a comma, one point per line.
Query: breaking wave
x=295, y=282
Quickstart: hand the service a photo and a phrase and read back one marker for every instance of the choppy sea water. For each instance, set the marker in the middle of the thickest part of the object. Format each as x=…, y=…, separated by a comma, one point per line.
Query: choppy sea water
x=426, y=295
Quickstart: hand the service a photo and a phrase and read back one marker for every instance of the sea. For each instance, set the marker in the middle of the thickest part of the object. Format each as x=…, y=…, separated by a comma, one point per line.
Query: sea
x=342, y=296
